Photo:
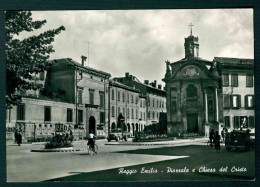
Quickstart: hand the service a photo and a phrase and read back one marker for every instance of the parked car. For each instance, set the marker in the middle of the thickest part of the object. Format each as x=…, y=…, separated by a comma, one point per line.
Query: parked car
x=238, y=139
x=117, y=134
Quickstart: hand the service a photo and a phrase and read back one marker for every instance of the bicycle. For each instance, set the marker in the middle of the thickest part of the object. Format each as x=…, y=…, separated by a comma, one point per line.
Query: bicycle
x=92, y=150
x=210, y=145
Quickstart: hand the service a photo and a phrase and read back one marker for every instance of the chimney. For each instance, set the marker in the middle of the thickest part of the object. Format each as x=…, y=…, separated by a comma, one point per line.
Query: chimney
x=146, y=82
x=131, y=77
x=159, y=86
x=127, y=74
x=83, y=59
x=155, y=83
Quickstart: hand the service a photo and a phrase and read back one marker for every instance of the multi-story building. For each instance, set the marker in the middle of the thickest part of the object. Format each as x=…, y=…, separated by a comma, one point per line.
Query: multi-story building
x=152, y=96
x=238, y=91
x=200, y=95
x=86, y=88
x=74, y=96
x=124, y=100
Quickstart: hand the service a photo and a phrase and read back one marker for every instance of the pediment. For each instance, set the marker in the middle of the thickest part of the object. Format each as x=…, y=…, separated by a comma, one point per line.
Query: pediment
x=191, y=71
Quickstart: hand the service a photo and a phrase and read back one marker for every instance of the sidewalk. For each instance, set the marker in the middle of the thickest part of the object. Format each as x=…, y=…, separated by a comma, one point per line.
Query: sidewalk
x=171, y=142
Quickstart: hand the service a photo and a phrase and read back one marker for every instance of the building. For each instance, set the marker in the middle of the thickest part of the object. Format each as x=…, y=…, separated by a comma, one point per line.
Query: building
x=86, y=88
x=153, y=98
x=238, y=91
x=195, y=92
x=83, y=99
x=74, y=96
x=125, y=100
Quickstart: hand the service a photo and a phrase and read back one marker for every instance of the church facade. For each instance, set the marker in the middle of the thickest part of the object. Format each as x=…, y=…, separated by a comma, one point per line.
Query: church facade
x=200, y=97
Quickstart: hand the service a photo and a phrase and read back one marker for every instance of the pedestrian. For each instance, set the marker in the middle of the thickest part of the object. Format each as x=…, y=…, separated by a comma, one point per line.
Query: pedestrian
x=223, y=134
x=211, y=137
x=15, y=135
x=217, y=141
x=19, y=138
x=71, y=135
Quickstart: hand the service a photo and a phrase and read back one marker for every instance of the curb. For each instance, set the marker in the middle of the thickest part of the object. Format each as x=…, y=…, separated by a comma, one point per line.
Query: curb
x=56, y=150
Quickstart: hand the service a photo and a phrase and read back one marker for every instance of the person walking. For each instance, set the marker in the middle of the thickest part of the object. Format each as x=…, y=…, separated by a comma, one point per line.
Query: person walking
x=211, y=137
x=15, y=136
x=19, y=138
x=217, y=141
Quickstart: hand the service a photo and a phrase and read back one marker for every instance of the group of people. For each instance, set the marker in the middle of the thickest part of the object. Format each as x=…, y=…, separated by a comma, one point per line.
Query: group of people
x=215, y=138
x=18, y=137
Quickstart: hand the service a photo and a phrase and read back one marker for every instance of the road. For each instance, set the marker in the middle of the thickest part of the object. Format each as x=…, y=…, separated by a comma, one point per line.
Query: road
x=113, y=162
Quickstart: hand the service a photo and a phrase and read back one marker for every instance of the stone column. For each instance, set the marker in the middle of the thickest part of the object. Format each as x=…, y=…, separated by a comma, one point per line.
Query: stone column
x=217, y=112
x=206, y=106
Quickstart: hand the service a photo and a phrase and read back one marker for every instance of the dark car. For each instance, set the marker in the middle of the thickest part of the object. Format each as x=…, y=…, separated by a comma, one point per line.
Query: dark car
x=117, y=134
x=238, y=140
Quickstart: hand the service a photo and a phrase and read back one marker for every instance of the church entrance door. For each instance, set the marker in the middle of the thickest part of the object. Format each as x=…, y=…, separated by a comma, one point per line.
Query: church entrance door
x=192, y=122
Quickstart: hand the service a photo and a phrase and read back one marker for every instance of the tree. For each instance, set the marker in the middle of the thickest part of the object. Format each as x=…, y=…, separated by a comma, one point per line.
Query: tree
x=27, y=57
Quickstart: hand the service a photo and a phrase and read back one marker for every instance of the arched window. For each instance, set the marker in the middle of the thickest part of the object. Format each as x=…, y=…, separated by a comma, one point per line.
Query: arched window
x=191, y=91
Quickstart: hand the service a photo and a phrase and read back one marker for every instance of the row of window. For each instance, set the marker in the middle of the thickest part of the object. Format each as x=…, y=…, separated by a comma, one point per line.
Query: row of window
x=156, y=103
x=92, y=98
x=127, y=114
x=240, y=121
x=234, y=101
x=134, y=113
x=153, y=115
x=125, y=97
x=234, y=80
x=48, y=117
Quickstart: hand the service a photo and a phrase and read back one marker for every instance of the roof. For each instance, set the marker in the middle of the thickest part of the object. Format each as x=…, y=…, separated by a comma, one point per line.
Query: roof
x=117, y=84
x=143, y=84
x=69, y=61
x=206, y=62
x=225, y=60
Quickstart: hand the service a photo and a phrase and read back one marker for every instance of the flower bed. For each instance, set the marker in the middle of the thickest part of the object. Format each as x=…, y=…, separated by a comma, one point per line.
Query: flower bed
x=190, y=135
x=58, y=141
x=151, y=138
x=164, y=137
x=46, y=139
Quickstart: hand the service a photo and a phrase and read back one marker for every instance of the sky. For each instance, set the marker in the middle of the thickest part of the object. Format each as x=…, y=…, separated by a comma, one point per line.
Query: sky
x=140, y=41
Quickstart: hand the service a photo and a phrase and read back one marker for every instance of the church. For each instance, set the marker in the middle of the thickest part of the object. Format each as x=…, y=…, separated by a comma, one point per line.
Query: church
x=194, y=88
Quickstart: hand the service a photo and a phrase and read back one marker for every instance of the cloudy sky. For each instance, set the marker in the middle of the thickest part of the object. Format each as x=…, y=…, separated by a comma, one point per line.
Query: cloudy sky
x=139, y=41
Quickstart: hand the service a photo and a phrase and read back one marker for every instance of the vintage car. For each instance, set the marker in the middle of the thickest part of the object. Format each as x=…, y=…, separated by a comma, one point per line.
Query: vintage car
x=238, y=139
x=117, y=134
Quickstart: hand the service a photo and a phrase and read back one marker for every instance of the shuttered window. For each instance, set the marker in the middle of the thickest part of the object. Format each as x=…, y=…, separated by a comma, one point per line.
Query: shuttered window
x=69, y=115
x=249, y=80
x=102, y=118
x=91, y=97
x=249, y=101
x=80, y=116
x=251, y=121
x=235, y=101
x=80, y=91
x=20, y=112
x=236, y=122
x=225, y=80
x=226, y=101
x=113, y=111
x=47, y=113
x=234, y=80
x=227, y=121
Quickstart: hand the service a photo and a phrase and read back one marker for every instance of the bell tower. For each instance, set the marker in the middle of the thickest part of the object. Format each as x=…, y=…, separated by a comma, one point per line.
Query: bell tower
x=191, y=45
